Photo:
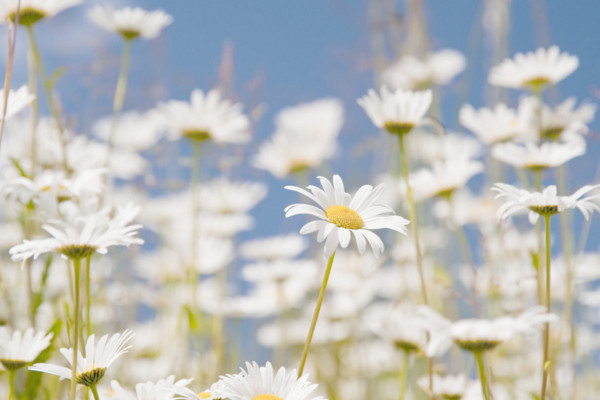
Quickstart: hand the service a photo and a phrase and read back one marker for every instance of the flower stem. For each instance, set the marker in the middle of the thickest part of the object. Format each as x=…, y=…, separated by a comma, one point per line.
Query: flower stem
x=94, y=392
x=12, y=39
x=547, y=328
x=88, y=320
x=404, y=375
x=119, y=97
x=11, y=383
x=313, y=324
x=77, y=270
x=413, y=218
x=482, y=377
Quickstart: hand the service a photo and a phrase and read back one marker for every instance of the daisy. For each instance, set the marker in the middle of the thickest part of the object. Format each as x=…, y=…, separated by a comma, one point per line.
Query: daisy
x=342, y=216
x=223, y=196
x=32, y=11
x=545, y=203
x=565, y=118
x=539, y=156
x=261, y=383
x=449, y=387
x=17, y=101
x=398, y=111
x=206, y=116
x=281, y=247
x=500, y=124
x=136, y=131
x=98, y=357
x=21, y=348
x=534, y=70
x=438, y=68
x=163, y=389
x=82, y=236
x=130, y=22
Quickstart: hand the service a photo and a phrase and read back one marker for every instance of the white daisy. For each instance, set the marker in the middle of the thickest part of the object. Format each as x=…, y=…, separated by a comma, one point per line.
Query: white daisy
x=32, y=11
x=135, y=131
x=558, y=121
x=342, y=215
x=545, y=203
x=281, y=247
x=206, y=116
x=438, y=68
x=540, y=156
x=449, y=387
x=261, y=383
x=499, y=124
x=17, y=101
x=534, y=70
x=83, y=235
x=398, y=111
x=163, y=389
x=223, y=196
x=130, y=22
x=21, y=348
x=98, y=357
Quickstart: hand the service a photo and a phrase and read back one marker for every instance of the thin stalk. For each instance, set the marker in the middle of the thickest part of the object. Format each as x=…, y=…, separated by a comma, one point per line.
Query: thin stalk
x=482, y=377
x=413, y=218
x=404, y=374
x=545, y=364
x=537, y=178
x=88, y=294
x=77, y=273
x=313, y=324
x=119, y=96
x=95, y=392
x=48, y=85
x=11, y=383
x=12, y=39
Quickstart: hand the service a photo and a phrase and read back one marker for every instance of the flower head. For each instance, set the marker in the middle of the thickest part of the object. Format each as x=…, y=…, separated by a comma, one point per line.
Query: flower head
x=398, y=111
x=496, y=125
x=342, y=215
x=17, y=101
x=130, y=22
x=261, y=383
x=534, y=70
x=32, y=11
x=21, y=348
x=545, y=203
x=98, y=357
x=206, y=116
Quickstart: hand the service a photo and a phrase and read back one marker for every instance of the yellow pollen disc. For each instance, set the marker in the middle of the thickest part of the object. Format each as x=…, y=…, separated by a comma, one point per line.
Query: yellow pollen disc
x=204, y=395
x=266, y=397
x=344, y=217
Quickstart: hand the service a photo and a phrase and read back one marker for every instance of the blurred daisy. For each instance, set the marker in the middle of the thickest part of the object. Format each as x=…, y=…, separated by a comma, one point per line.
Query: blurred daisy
x=438, y=68
x=98, y=357
x=281, y=247
x=21, y=348
x=163, y=389
x=496, y=125
x=206, y=117
x=84, y=235
x=17, y=101
x=539, y=156
x=32, y=11
x=449, y=387
x=305, y=136
x=223, y=196
x=565, y=118
x=545, y=203
x=261, y=383
x=130, y=22
x=534, y=70
x=136, y=131
x=400, y=326
x=342, y=215
x=399, y=111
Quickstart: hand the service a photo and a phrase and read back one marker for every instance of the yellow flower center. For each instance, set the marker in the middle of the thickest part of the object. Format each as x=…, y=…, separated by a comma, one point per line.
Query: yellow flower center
x=27, y=16
x=344, y=217
x=398, y=128
x=537, y=83
x=204, y=395
x=196, y=134
x=266, y=397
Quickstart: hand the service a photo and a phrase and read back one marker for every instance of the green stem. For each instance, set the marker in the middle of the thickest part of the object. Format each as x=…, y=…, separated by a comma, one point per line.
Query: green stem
x=12, y=39
x=77, y=270
x=48, y=85
x=537, y=179
x=404, y=374
x=119, y=96
x=313, y=324
x=547, y=327
x=11, y=383
x=413, y=218
x=88, y=305
x=95, y=392
x=482, y=377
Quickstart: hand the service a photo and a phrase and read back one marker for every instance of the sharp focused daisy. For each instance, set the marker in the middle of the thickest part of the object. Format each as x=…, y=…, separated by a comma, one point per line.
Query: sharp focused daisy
x=21, y=348
x=534, y=70
x=130, y=22
x=84, y=235
x=545, y=203
x=261, y=383
x=17, y=101
x=206, y=116
x=32, y=11
x=99, y=355
x=396, y=111
x=342, y=216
